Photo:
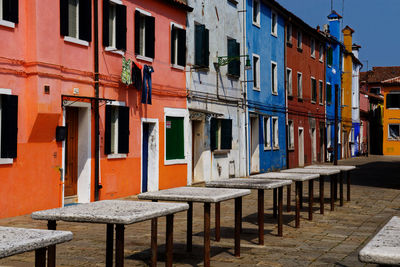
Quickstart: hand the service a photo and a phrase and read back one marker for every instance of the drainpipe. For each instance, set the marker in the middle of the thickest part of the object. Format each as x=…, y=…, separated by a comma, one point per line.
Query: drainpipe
x=245, y=92
x=336, y=124
x=97, y=187
x=286, y=102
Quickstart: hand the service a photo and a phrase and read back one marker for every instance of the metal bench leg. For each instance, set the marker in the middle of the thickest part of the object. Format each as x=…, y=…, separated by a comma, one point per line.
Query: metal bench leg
x=275, y=196
x=321, y=194
x=40, y=257
x=238, y=224
x=348, y=185
x=280, y=203
x=119, y=245
x=109, y=244
x=260, y=216
x=169, y=244
x=217, y=221
x=297, y=216
x=207, y=208
x=310, y=199
x=154, y=242
x=332, y=192
x=51, y=250
x=288, y=191
x=341, y=187
x=189, y=227
x=301, y=195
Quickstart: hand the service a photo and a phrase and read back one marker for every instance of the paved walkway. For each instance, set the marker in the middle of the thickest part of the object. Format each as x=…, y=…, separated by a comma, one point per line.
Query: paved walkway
x=333, y=239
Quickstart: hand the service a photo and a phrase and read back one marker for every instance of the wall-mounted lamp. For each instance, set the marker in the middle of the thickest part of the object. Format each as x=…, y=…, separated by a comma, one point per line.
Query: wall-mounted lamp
x=225, y=60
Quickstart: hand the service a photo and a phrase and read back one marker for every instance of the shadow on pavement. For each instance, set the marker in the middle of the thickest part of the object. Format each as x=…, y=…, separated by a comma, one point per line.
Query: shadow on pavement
x=377, y=174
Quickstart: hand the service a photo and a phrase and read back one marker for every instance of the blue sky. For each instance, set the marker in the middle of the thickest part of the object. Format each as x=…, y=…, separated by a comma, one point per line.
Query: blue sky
x=375, y=22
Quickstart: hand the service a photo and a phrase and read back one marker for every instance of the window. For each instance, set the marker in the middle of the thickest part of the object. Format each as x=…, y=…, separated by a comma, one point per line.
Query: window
x=8, y=12
x=394, y=132
x=289, y=33
x=201, y=53
x=289, y=82
x=290, y=134
x=144, y=34
x=234, y=51
x=312, y=47
x=328, y=136
x=299, y=40
x=321, y=92
x=178, y=45
x=274, y=23
x=221, y=134
x=339, y=132
x=328, y=93
x=321, y=52
x=256, y=72
x=174, y=138
x=114, y=25
x=267, y=132
x=256, y=12
x=274, y=78
x=393, y=100
x=8, y=126
x=299, y=85
x=329, y=59
x=275, y=132
x=116, y=136
x=76, y=19
x=375, y=90
x=313, y=90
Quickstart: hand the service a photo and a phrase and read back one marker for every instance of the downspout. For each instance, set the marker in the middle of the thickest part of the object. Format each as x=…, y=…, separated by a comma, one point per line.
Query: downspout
x=245, y=92
x=286, y=100
x=97, y=187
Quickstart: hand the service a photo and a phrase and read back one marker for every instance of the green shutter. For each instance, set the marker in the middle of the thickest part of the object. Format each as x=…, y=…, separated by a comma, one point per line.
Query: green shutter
x=226, y=134
x=213, y=133
x=175, y=143
x=328, y=93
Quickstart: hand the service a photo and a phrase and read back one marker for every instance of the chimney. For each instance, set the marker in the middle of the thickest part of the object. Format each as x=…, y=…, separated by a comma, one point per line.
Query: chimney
x=334, y=24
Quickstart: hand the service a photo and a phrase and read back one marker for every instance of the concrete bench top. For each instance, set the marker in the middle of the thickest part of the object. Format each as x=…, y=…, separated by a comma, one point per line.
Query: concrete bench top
x=285, y=176
x=384, y=247
x=248, y=183
x=195, y=194
x=111, y=211
x=19, y=240
x=311, y=170
x=337, y=167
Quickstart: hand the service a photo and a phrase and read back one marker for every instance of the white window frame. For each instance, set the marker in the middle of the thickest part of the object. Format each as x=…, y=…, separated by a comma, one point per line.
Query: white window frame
x=114, y=139
x=321, y=92
x=290, y=134
x=300, y=85
x=299, y=39
x=274, y=23
x=316, y=95
x=289, y=33
x=289, y=81
x=3, y=22
x=274, y=82
x=267, y=132
x=329, y=135
x=275, y=132
x=321, y=52
x=177, y=112
x=4, y=91
x=142, y=54
x=312, y=47
x=256, y=21
x=256, y=73
x=75, y=39
x=388, y=132
x=339, y=133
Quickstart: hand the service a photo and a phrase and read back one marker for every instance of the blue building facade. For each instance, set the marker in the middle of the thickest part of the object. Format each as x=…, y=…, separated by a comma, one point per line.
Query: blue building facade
x=334, y=50
x=265, y=37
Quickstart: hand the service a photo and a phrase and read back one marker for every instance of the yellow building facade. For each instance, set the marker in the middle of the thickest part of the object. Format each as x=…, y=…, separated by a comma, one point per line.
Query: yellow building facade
x=391, y=117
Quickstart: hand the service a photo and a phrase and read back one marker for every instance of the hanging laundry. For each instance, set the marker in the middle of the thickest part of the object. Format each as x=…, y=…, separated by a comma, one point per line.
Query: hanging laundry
x=126, y=77
x=146, y=92
x=137, y=75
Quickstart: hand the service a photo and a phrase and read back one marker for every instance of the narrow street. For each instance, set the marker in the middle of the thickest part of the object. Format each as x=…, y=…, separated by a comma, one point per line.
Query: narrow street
x=332, y=239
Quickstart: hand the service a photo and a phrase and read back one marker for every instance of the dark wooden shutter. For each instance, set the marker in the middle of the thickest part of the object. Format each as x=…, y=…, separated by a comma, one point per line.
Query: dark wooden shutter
x=106, y=15
x=198, y=44
x=107, y=131
x=213, y=133
x=121, y=27
x=9, y=126
x=173, y=33
x=226, y=134
x=10, y=10
x=236, y=64
x=150, y=36
x=234, y=51
x=123, y=130
x=137, y=32
x=206, y=50
x=85, y=20
x=64, y=17
x=181, y=47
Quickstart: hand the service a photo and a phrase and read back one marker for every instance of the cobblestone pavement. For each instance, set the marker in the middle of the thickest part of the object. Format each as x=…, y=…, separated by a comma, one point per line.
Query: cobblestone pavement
x=332, y=239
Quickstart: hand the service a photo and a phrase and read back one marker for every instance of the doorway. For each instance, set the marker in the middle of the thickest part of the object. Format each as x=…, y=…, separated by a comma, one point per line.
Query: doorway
x=321, y=142
x=255, y=146
x=71, y=154
x=313, y=145
x=150, y=152
x=197, y=151
x=301, y=146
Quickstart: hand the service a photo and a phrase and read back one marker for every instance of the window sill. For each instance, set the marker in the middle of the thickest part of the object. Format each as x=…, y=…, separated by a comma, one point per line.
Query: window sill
x=116, y=156
x=178, y=67
x=313, y=102
x=266, y=148
x=200, y=68
x=300, y=99
x=321, y=104
x=313, y=57
x=7, y=24
x=291, y=148
x=75, y=41
x=257, y=89
x=232, y=77
x=274, y=93
x=221, y=151
x=144, y=58
x=118, y=2
x=321, y=61
x=114, y=50
x=274, y=34
x=174, y=161
x=289, y=43
x=4, y=161
x=276, y=148
x=300, y=49
x=257, y=24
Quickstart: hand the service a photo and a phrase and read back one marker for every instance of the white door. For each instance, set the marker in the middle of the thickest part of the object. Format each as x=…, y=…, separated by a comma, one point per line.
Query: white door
x=255, y=146
x=301, y=146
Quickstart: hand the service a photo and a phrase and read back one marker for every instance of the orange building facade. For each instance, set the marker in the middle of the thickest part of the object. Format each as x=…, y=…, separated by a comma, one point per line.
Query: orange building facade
x=52, y=82
x=391, y=117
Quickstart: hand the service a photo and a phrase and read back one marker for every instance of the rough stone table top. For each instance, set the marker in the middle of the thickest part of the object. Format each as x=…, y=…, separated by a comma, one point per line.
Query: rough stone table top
x=111, y=211
x=318, y=171
x=384, y=247
x=195, y=194
x=286, y=176
x=337, y=167
x=248, y=183
x=19, y=240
